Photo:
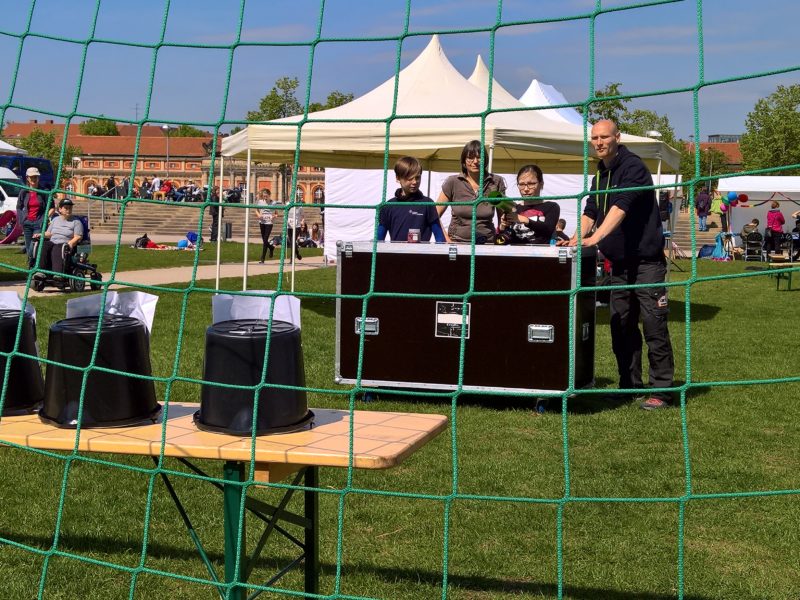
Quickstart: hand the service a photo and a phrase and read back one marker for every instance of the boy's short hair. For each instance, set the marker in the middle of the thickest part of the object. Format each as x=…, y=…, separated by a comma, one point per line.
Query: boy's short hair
x=406, y=167
x=561, y=223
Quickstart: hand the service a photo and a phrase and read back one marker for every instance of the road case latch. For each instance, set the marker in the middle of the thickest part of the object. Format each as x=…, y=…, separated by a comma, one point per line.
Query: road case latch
x=452, y=252
x=562, y=255
x=372, y=326
x=541, y=334
x=348, y=249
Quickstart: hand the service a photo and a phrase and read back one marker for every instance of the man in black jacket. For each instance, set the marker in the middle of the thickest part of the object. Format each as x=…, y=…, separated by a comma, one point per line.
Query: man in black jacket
x=629, y=235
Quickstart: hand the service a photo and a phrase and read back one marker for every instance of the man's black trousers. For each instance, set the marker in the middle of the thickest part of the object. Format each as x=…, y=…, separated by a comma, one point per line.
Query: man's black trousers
x=649, y=304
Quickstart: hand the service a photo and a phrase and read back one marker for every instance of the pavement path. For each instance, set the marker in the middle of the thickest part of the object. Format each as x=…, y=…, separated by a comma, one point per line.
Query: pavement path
x=184, y=274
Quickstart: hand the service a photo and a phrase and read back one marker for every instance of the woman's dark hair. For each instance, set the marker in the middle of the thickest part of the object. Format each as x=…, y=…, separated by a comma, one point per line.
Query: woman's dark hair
x=472, y=148
x=531, y=169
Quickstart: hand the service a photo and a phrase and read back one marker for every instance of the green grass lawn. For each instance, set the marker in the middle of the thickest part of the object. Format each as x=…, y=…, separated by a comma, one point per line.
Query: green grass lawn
x=625, y=468
x=13, y=264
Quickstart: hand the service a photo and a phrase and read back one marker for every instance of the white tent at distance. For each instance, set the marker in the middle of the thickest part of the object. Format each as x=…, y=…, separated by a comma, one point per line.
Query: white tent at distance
x=760, y=189
x=6, y=148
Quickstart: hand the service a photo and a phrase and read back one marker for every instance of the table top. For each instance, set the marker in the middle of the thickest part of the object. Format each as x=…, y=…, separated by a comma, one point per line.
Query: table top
x=380, y=439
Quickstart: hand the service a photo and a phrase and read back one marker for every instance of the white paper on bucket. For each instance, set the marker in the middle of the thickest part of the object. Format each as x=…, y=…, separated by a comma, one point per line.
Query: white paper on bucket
x=11, y=301
x=227, y=307
x=138, y=305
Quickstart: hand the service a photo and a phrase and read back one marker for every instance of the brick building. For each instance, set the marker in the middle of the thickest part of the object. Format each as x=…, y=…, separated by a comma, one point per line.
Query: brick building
x=181, y=159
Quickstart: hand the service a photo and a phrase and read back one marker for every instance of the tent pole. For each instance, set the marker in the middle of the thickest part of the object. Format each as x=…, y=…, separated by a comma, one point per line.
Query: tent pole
x=491, y=158
x=219, y=216
x=246, y=224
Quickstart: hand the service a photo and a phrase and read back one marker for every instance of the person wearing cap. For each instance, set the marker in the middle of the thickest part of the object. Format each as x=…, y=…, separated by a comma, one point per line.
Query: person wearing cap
x=31, y=205
x=64, y=230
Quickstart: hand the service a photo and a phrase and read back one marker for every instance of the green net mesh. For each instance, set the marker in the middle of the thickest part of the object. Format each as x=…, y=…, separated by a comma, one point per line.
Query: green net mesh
x=500, y=507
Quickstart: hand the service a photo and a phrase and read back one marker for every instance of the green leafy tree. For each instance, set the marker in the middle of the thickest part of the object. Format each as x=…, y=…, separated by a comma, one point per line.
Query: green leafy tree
x=41, y=143
x=607, y=109
x=99, y=126
x=187, y=131
x=772, y=137
x=712, y=162
x=335, y=98
x=279, y=103
x=640, y=121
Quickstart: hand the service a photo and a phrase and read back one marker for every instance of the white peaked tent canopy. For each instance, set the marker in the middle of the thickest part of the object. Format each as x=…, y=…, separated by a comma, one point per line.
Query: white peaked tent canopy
x=6, y=148
x=501, y=97
x=429, y=86
x=541, y=94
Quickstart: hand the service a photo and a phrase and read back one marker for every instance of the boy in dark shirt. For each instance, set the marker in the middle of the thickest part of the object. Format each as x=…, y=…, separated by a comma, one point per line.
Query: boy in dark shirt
x=409, y=209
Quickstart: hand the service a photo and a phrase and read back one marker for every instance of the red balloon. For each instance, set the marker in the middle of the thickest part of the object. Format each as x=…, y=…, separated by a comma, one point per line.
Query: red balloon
x=734, y=202
x=743, y=198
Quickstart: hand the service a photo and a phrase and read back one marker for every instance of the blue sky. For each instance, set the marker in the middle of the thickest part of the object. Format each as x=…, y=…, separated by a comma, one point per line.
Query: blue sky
x=647, y=49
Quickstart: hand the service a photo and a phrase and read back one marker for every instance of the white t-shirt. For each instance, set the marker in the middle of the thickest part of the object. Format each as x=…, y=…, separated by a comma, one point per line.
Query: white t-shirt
x=264, y=214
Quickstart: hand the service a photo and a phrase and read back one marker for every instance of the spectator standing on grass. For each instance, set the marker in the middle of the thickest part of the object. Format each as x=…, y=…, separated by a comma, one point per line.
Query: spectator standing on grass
x=716, y=208
x=630, y=236
x=293, y=220
x=31, y=206
x=265, y=216
x=775, y=221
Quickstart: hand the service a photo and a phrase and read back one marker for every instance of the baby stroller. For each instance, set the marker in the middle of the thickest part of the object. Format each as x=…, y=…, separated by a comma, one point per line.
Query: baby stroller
x=77, y=268
x=753, y=246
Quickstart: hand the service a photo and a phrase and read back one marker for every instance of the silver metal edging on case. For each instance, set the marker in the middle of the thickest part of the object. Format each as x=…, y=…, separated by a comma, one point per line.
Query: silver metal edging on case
x=537, y=250
x=448, y=387
x=337, y=359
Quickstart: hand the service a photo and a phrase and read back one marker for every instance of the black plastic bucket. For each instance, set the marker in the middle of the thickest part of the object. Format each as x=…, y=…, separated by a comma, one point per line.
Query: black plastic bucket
x=110, y=399
x=25, y=388
x=235, y=355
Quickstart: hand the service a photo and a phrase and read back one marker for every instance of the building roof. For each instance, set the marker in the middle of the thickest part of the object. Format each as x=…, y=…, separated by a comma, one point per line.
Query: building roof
x=151, y=144
x=730, y=149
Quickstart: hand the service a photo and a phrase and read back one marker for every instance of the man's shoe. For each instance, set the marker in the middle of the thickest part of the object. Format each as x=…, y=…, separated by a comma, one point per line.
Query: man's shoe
x=271, y=251
x=654, y=404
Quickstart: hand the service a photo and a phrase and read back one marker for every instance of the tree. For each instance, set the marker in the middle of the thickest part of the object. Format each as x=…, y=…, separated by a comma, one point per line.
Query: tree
x=335, y=98
x=712, y=162
x=640, y=121
x=772, y=138
x=40, y=143
x=99, y=126
x=279, y=103
x=607, y=109
x=187, y=131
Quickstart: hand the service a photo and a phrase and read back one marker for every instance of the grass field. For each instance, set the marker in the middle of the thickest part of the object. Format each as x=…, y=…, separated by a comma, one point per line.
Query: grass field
x=496, y=478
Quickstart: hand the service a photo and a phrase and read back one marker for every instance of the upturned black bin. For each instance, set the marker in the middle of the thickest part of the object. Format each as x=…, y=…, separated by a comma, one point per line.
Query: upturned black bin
x=235, y=355
x=25, y=388
x=110, y=399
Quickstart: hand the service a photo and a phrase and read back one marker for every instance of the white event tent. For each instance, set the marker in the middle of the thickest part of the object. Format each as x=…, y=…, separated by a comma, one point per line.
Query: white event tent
x=760, y=190
x=354, y=135
x=542, y=94
x=6, y=148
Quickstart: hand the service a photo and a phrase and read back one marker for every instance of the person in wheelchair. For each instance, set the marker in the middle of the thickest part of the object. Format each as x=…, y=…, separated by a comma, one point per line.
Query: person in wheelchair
x=60, y=240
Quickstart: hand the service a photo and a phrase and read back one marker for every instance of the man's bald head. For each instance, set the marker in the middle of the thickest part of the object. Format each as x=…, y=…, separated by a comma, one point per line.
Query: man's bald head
x=605, y=140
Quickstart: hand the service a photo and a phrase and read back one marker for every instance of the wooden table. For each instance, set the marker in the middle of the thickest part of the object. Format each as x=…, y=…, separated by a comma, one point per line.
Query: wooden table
x=380, y=440
x=774, y=270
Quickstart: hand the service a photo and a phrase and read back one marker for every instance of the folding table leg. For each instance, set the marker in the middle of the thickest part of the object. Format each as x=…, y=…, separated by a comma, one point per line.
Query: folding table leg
x=311, y=502
x=233, y=473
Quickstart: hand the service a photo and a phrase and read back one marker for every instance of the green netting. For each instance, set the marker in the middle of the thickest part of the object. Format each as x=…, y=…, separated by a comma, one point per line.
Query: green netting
x=141, y=572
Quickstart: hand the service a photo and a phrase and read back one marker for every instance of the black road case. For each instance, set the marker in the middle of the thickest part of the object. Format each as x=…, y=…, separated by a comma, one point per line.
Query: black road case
x=514, y=343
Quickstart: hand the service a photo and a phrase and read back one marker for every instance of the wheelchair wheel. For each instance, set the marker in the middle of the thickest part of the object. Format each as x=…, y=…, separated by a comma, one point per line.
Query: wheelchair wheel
x=37, y=284
x=78, y=284
x=96, y=278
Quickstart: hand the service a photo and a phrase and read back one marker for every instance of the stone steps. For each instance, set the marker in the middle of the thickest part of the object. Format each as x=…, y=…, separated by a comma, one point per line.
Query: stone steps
x=161, y=221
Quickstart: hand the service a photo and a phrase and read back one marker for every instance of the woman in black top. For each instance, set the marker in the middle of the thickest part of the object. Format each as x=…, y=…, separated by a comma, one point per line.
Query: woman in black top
x=533, y=221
